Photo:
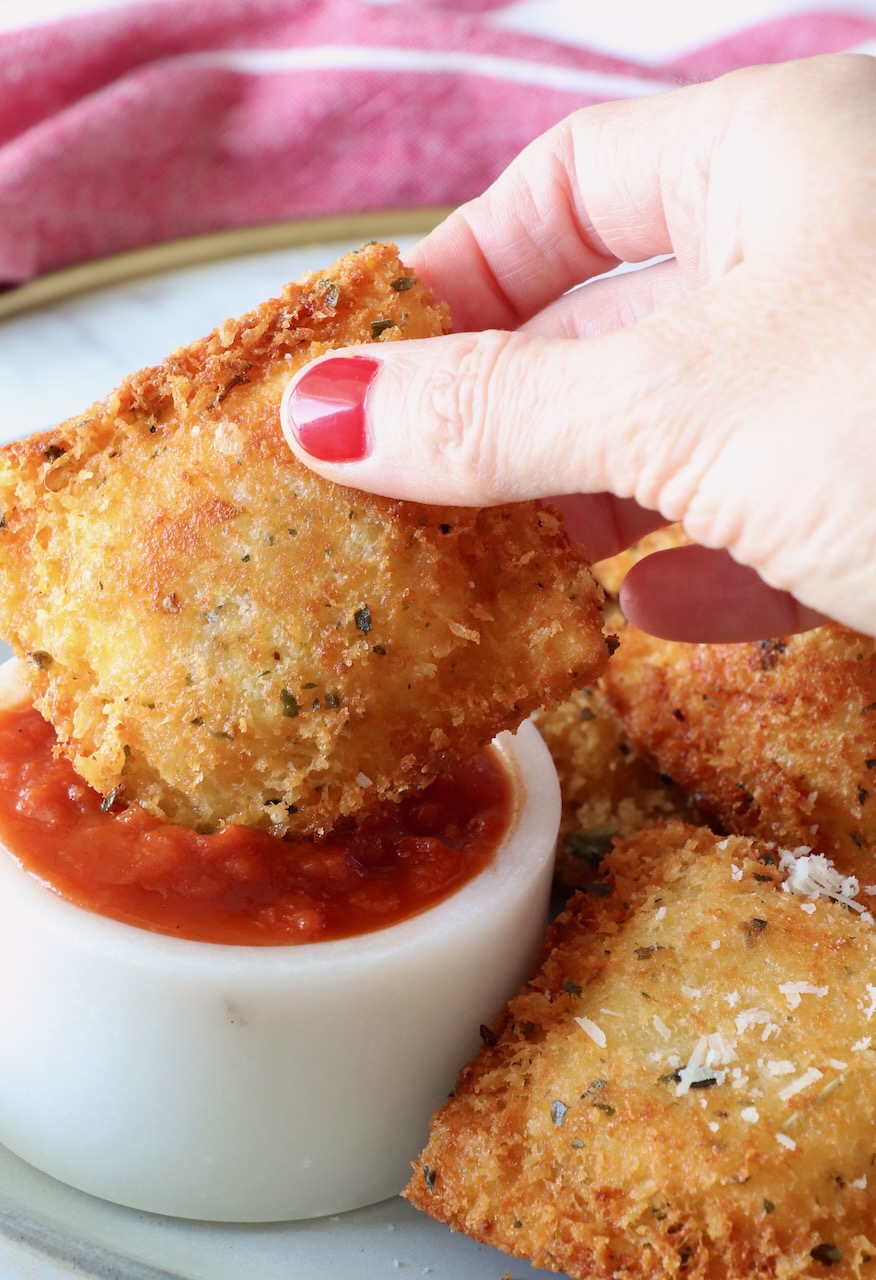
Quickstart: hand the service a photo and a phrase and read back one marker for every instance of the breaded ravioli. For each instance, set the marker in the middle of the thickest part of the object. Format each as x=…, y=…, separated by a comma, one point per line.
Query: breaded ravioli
x=608, y=789
x=775, y=738
x=686, y=1088
x=222, y=636
x=610, y=573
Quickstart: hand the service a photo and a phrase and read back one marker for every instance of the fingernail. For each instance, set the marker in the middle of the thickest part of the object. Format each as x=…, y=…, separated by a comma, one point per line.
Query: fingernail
x=324, y=408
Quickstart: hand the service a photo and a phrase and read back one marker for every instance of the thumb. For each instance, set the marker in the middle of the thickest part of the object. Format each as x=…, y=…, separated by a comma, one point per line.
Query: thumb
x=691, y=412
x=476, y=419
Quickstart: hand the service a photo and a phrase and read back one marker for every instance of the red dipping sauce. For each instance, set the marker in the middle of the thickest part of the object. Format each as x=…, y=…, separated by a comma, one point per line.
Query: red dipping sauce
x=239, y=885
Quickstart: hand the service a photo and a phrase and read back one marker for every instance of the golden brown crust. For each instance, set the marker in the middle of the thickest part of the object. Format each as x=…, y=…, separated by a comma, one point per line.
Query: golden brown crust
x=608, y=789
x=710, y=1115
x=610, y=573
x=228, y=637
x=774, y=738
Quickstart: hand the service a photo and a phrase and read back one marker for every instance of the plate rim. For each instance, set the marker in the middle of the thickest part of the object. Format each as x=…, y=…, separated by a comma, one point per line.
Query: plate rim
x=189, y=251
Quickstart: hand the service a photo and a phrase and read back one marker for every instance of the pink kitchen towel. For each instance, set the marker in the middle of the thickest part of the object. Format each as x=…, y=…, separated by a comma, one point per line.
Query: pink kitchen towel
x=134, y=125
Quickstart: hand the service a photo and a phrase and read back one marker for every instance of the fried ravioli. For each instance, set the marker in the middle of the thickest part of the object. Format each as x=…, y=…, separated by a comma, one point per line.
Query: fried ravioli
x=222, y=636
x=685, y=1088
x=775, y=738
x=608, y=789
x=611, y=572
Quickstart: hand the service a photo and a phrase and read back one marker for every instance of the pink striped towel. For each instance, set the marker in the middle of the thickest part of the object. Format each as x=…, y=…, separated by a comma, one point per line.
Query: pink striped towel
x=133, y=125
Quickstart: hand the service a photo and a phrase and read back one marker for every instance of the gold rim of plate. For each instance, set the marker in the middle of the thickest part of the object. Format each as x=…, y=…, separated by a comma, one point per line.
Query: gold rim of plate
x=194, y=250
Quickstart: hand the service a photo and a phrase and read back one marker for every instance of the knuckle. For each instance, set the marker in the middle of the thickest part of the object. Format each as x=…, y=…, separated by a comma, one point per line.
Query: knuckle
x=466, y=400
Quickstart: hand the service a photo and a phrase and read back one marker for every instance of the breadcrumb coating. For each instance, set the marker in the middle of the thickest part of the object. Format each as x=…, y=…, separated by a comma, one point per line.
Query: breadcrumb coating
x=608, y=789
x=685, y=1087
x=222, y=636
x=775, y=738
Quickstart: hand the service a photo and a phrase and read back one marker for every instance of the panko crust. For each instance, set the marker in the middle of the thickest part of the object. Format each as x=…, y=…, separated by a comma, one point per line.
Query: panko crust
x=610, y=573
x=223, y=636
x=775, y=738
x=576, y=1138
x=608, y=789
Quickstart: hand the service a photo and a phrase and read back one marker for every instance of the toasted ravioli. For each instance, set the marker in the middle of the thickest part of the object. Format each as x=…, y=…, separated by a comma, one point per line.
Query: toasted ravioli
x=220, y=635
x=610, y=573
x=686, y=1086
x=775, y=738
x=608, y=789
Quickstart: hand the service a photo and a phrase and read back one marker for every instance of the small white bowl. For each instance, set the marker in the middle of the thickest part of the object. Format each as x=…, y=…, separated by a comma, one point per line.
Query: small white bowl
x=256, y=1084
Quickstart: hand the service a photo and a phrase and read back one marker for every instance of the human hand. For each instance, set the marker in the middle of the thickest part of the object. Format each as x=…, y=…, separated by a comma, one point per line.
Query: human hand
x=732, y=387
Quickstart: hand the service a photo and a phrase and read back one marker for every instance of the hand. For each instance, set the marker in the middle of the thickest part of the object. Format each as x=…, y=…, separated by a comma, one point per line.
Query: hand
x=731, y=387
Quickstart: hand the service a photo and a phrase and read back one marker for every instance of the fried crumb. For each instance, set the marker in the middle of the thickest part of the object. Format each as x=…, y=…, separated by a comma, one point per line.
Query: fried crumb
x=220, y=635
x=657, y=1106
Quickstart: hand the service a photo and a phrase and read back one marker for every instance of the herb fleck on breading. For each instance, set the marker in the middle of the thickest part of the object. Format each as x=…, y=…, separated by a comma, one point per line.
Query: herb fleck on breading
x=290, y=703
x=362, y=619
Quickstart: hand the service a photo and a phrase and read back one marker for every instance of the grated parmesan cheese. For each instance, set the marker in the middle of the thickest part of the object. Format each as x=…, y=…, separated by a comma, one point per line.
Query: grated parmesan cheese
x=812, y=875
x=802, y=1082
x=709, y=1053
x=721, y=1051
x=596, y=1034
x=792, y=991
x=786, y=1141
x=871, y=992
x=750, y=1018
x=750, y=1115
x=693, y=1070
x=660, y=1027
x=783, y=1068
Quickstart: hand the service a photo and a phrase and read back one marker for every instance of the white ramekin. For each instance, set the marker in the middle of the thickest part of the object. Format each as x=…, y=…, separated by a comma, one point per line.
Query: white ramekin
x=253, y=1084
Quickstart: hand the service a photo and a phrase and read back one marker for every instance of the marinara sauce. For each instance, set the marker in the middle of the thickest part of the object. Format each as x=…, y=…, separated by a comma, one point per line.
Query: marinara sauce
x=238, y=885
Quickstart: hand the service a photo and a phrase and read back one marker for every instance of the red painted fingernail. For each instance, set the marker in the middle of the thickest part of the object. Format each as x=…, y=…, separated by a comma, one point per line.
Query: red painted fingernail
x=324, y=409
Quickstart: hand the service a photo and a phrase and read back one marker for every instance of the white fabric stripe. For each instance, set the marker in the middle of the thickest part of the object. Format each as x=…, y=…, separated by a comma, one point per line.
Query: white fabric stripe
x=648, y=33
x=367, y=58
x=18, y=14
x=654, y=33
x=869, y=46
